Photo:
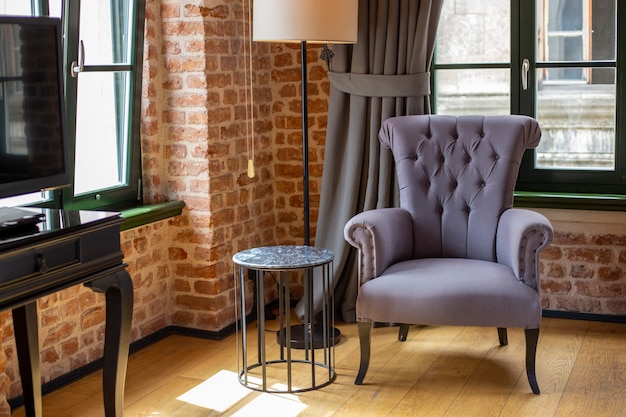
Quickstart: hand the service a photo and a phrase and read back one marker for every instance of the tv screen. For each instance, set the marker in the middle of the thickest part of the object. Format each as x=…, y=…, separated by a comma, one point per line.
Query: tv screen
x=33, y=149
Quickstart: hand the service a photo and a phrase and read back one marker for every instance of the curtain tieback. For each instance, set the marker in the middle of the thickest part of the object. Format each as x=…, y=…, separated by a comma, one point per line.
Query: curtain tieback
x=371, y=85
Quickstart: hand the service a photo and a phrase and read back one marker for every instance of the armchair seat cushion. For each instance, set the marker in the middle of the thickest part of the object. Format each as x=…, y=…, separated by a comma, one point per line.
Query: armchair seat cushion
x=449, y=291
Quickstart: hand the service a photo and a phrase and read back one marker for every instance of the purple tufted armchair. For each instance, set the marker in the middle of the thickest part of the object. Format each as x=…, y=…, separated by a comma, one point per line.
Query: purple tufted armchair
x=455, y=252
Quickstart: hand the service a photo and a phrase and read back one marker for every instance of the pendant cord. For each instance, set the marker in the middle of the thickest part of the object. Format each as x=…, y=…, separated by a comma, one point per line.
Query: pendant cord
x=249, y=89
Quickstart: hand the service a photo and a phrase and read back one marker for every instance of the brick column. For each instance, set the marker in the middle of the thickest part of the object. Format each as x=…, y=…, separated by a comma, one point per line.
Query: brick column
x=194, y=134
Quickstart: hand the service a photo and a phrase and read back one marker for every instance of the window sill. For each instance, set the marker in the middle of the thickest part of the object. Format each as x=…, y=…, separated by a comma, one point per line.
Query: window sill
x=606, y=202
x=142, y=215
x=150, y=213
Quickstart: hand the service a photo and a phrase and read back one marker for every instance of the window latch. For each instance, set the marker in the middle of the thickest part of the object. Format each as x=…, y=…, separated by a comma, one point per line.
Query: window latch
x=77, y=67
x=525, y=69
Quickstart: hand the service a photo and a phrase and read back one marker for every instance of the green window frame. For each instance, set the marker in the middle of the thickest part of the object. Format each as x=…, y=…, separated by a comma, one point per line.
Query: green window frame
x=123, y=72
x=568, y=187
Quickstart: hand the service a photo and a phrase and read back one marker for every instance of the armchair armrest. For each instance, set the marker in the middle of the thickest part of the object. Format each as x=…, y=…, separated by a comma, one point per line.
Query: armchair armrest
x=382, y=236
x=521, y=236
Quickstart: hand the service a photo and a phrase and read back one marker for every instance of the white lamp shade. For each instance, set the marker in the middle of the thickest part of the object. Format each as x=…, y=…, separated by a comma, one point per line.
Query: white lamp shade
x=316, y=21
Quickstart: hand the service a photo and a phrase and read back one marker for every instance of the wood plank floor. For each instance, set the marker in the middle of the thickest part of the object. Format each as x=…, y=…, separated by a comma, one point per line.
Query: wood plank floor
x=438, y=371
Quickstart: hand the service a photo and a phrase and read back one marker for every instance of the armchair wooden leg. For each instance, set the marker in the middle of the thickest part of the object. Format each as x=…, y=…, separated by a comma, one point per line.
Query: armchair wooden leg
x=365, y=339
x=403, y=332
x=502, y=335
x=532, y=336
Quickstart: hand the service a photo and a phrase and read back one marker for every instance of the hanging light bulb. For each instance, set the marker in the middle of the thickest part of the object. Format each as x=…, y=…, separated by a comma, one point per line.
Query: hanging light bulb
x=251, y=173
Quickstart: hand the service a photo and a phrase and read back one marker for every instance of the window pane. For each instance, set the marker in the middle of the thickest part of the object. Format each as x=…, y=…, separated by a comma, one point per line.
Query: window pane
x=578, y=124
x=473, y=91
x=565, y=48
x=603, y=29
x=565, y=15
x=474, y=32
x=562, y=74
x=25, y=199
x=576, y=30
x=20, y=8
x=105, y=32
x=55, y=7
x=101, y=128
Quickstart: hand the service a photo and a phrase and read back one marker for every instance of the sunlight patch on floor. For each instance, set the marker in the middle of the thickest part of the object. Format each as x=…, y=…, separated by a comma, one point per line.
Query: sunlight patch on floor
x=223, y=391
x=219, y=393
x=273, y=405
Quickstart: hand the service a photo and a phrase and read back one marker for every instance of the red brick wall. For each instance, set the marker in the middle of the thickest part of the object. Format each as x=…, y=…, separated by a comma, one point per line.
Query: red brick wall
x=287, y=118
x=194, y=149
x=584, y=270
x=6, y=335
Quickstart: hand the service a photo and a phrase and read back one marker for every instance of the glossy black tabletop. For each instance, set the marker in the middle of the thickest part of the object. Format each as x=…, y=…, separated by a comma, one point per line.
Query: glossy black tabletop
x=55, y=222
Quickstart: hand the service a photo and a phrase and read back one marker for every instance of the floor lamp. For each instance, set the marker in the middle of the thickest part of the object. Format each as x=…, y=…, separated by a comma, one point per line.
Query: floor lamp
x=305, y=21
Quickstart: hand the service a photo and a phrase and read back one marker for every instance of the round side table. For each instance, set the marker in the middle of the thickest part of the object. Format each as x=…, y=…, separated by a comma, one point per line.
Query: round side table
x=273, y=369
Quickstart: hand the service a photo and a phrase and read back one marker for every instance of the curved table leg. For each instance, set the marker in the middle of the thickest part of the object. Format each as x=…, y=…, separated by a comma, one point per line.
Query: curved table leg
x=118, y=290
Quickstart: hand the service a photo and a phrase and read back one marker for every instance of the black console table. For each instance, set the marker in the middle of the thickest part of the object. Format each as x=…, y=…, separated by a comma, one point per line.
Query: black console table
x=68, y=248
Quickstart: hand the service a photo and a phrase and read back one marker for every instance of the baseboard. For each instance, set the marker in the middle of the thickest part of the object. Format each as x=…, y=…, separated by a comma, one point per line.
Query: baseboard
x=136, y=346
x=584, y=316
x=202, y=334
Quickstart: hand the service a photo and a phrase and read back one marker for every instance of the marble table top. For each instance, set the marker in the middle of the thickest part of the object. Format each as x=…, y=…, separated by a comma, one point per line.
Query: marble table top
x=283, y=257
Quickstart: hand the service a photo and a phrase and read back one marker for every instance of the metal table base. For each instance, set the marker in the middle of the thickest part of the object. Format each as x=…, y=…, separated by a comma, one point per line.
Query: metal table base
x=314, y=358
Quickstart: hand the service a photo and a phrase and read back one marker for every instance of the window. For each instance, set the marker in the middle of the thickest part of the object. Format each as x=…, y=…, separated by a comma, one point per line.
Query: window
x=103, y=46
x=556, y=60
x=566, y=25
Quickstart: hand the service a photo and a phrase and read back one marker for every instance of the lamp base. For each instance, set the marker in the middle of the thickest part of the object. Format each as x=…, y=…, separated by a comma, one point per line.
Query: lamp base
x=297, y=336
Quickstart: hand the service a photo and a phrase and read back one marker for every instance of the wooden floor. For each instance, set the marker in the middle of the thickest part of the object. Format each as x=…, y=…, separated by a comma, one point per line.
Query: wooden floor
x=438, y=371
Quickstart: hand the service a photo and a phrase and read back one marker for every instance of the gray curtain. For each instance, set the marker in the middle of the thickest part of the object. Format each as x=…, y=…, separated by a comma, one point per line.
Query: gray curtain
x=384, y=74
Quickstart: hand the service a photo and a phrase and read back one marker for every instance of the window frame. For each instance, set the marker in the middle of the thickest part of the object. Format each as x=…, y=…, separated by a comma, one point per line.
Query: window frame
x=120, y=197
x=570, y=181
x=583, y=34
x=125, y=196
x=553, y=187
x=127, y=201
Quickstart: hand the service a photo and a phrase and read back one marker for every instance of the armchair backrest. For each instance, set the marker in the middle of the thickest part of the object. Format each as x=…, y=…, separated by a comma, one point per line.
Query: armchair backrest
x=456, y=177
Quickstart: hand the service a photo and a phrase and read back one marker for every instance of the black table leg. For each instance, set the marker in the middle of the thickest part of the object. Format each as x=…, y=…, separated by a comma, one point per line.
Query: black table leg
x=27, y=345
x=118, y=290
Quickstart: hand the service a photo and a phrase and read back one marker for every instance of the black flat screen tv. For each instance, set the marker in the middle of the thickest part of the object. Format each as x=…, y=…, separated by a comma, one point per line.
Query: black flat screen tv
x=33, y=145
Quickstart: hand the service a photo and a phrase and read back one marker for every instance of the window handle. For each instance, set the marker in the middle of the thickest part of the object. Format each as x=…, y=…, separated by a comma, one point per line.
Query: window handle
x=79, y=66
x=525, y=69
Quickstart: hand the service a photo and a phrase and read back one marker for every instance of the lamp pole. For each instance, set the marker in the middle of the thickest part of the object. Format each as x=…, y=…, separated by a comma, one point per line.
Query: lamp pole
x=305, y=145
x=306, y=21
